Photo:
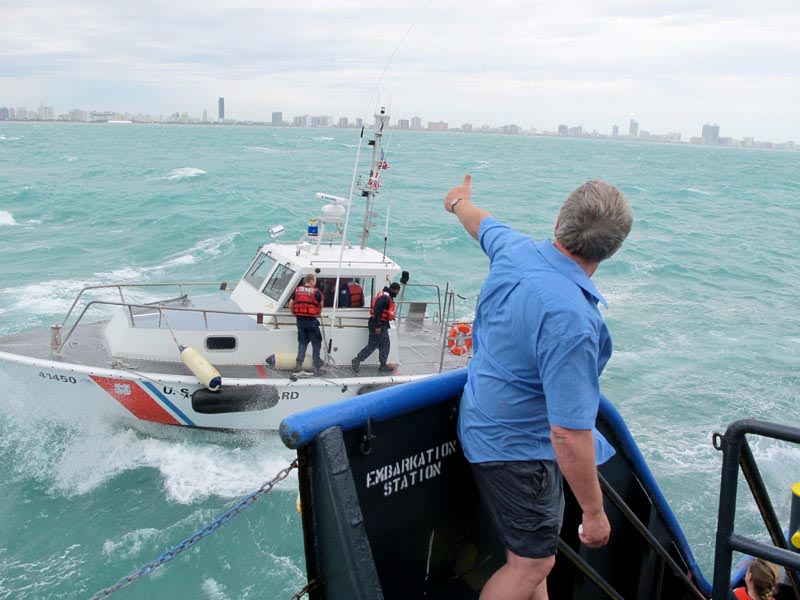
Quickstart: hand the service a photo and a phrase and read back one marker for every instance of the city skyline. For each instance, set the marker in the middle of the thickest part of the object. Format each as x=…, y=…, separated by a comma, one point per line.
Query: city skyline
x=672, y=65
x=710, y=133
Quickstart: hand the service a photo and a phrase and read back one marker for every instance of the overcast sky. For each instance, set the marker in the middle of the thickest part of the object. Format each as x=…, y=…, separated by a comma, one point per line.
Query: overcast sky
x=672, y=65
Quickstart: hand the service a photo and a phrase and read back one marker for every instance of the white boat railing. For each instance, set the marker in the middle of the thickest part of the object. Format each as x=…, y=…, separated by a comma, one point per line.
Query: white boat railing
x=222, y=285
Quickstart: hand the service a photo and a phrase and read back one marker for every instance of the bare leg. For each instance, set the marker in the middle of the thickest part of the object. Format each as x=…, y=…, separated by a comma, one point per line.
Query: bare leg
x=519, y=579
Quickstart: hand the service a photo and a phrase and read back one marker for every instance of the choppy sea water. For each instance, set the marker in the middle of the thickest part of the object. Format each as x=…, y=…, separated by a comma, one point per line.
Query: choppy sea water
x=702, y=308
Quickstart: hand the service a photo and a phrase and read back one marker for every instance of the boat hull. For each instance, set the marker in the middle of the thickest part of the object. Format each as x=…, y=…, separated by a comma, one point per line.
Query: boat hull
x=243, y=404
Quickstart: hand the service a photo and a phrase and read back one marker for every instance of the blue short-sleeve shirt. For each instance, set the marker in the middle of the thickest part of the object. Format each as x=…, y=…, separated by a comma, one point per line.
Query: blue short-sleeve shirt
x=540, y=345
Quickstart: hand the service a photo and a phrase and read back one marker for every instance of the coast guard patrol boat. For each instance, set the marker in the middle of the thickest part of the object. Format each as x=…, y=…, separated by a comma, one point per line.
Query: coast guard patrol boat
x=223, y=359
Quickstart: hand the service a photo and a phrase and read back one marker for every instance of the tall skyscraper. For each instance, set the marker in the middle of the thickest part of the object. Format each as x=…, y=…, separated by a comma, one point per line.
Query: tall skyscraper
x=416, y=123
x=633, y=130
x=615, y=131
x=277, y=118
x=222, y=109
x=711, y=135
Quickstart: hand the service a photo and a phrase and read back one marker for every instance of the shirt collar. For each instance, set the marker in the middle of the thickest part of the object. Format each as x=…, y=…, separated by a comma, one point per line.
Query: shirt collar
x=570, y=269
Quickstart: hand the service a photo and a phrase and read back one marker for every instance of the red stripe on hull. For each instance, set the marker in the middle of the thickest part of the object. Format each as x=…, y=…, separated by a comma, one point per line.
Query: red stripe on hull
x=140, y=404
x=261, y=371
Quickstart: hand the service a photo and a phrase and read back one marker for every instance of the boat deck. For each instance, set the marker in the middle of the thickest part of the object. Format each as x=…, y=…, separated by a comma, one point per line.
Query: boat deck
x=421, y=346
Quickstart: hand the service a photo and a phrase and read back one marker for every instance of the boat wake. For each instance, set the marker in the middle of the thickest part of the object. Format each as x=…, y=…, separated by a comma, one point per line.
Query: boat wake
x=77, y=456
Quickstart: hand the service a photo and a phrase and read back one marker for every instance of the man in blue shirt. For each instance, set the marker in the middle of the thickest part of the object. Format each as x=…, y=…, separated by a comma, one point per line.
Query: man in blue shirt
x=530, y=403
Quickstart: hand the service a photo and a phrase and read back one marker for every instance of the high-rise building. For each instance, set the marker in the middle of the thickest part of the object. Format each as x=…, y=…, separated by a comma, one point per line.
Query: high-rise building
x=46, y=113
x=343, y=122
x=322, y=121
x=403, y=124
x=711, y=135
x=633, y=130
x=277, y=118
x=416, y=123
x=301, y=121
x=205, y=115
x=221, y=103
x=615, y=131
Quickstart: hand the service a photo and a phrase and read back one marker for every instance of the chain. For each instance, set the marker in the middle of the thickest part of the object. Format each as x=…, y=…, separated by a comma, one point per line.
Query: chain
x=205, y=531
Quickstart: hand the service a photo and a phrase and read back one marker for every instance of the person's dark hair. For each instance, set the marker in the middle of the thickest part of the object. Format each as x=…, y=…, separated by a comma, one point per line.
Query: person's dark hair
x=395, y=286
x=765, y=578
x=594, y=220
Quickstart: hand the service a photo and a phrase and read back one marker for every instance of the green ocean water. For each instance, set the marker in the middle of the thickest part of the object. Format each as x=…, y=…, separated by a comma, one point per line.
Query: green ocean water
x=702, y=298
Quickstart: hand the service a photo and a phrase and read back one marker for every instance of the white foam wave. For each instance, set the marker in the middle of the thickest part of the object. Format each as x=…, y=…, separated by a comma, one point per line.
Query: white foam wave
x=182, y=173
x=322, y=138
x=434, y=243
x=262, y=149
x=75, y=454
x=211, y=247
x=6, y=218
x=10, y=138
x=54, y=297
x=130, y=544
x=71, y=158
x=214, y=590
x=696, y=191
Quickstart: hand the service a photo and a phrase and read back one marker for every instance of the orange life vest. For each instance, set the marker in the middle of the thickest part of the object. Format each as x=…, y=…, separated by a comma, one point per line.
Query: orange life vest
x=741, y=594
x=305, y=302
x=356, y=295
x=388, y=314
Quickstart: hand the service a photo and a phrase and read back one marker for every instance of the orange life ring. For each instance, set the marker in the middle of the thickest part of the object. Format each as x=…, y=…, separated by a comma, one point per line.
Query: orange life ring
x=459, y=339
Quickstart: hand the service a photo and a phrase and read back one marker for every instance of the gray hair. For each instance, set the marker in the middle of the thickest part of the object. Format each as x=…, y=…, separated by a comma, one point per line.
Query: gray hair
x=309, y=279
x=594, y=221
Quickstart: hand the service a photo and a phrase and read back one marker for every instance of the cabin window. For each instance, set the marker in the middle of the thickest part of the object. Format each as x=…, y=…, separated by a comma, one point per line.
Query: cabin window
x=221, y=343
x=348, y=286
x=259, y=270
x=278, y=282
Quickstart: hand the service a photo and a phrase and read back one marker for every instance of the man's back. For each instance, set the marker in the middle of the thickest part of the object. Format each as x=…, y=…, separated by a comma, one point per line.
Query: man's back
x=537, y=309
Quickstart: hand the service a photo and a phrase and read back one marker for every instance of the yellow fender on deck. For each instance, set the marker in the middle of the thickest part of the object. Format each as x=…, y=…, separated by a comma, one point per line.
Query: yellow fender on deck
x=201, y=368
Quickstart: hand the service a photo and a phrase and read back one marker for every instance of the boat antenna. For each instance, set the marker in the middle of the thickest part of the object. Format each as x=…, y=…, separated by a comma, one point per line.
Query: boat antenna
x=388, y=202
x=380, y=122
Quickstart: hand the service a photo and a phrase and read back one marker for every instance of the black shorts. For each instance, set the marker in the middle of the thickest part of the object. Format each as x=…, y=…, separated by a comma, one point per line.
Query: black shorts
x=525, y=500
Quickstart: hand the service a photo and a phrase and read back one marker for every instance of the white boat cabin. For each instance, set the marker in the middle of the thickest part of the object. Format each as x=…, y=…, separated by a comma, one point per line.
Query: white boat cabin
x=253, y=324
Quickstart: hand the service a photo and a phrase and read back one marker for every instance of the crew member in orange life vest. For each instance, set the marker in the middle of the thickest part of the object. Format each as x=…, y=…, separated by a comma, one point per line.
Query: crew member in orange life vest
x=350, y=295
x=381, y=313
x=306, y=304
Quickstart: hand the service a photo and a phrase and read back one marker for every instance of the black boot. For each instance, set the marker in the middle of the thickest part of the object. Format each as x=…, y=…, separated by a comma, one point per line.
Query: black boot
x=355, y=363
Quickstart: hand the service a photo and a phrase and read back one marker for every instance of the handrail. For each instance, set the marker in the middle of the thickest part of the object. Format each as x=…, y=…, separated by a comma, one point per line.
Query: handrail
x=438, y=303
x=223, y=285
x=736, y=453
x=204, y=311
x=651, y=540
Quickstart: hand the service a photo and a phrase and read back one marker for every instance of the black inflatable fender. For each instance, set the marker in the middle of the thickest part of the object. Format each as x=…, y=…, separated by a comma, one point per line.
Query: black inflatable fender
x=233, y=399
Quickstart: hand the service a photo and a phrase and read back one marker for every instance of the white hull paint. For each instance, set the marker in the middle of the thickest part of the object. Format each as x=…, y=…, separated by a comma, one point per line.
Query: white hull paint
x=167, y=399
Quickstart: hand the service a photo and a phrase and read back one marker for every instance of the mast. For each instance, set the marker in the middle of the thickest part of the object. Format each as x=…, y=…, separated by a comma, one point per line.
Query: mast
x=373, y=185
